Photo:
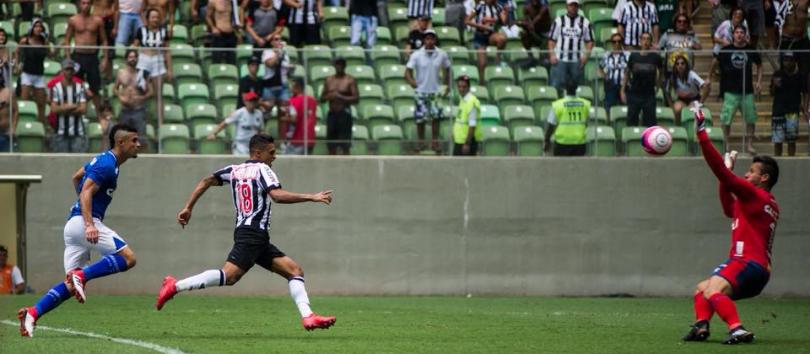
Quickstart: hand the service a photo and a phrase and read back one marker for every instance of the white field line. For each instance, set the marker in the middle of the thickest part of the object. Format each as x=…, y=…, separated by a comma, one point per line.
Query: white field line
x=133, y=342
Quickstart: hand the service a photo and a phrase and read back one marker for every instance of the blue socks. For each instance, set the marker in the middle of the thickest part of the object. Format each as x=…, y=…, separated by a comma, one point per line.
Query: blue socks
x=107, y=265
x=52, y=299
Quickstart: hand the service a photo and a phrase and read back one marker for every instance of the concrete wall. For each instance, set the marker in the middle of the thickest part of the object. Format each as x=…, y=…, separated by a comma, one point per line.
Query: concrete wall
x=433, y=225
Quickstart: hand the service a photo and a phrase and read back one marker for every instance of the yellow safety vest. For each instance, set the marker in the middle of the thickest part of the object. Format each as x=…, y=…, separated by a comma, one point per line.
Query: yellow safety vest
x=572, y=116
x=461, y=127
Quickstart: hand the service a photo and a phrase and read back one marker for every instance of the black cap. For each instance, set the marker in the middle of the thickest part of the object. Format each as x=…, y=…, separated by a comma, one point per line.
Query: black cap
x=254, y=60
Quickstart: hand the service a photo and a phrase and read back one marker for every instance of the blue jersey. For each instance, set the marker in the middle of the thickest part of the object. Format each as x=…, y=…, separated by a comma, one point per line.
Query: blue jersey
x=103, y=170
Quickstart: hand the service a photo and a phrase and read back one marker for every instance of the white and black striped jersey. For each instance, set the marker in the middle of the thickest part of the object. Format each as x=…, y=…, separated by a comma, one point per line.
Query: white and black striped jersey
x=251, y=183
x=69, y=124
x=488, y=15
x=614, y=64
x=419, y=8
x=306, y=15
x=637, y=20
x=570, y=34
x=152, y=39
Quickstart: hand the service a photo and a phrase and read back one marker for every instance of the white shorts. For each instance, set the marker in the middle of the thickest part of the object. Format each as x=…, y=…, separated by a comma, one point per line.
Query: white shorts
x=154, y=64
x=77, y=249
x=37, y=81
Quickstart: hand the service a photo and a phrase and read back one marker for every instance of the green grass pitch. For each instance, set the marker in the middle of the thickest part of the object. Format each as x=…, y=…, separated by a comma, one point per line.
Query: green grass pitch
x=212, y=324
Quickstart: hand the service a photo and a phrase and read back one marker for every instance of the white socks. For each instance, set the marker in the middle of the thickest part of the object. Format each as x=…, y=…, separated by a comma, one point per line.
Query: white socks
x=208, y=278
x=299, y=294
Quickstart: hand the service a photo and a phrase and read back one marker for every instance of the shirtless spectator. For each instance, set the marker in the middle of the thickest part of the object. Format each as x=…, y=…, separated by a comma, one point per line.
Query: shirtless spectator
x=198, y=10
x=166, y=10
x=220, y=18
x=793, y=24
x=340, y=90
x=87, y=30
x=108, y=11
x=128, y=20
x=133, y=89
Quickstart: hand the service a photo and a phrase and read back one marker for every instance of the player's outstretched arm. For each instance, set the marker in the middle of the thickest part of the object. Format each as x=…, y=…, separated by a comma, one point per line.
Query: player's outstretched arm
x=184, y=216
x=740, y=187
x=284, y=197
x=89, y=188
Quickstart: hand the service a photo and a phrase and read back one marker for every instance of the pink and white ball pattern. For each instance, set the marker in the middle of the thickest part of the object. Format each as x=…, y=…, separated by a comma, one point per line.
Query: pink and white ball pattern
x=656, y=140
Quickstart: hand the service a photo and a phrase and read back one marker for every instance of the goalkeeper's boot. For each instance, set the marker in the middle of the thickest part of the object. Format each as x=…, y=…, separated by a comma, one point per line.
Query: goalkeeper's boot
x=739, y=335
x=698, y=333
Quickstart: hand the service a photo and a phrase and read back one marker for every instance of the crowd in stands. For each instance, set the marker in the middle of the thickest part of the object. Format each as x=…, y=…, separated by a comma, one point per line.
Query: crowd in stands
x=205, y=75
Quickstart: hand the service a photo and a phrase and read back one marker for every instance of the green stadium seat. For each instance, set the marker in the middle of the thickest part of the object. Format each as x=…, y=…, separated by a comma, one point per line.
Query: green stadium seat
x=585, y=92
x=601, y=140
x=182, y=53
x=680, y=142
x=401, y=34
x=210, y=147
x=187, y=74
x=388, y=139
x=316, y=54
x=498, y=76
x=665, y=116
x=201, y=113
x=318, y=74
x=688, y=122
x=631, y=138
x=370, y=95
x=391, y=74
x=490, y=115
x=30, y=137
x=339, y=35
x=716, y=136
x=618, y=117
x=375, y=115
x=61, y=12
x=529, y=140
x=179, y=34
x=198, y=34
x=192, y=93
x=495, y=141
x=174, y=138
x=168, y=93
x=468, y=70
x=385, y=55
x=363, y=74
x=383, y=36
x=399, y=94
x=51, y=68
x=334, y=17
x=458, y=55
x=437, y=16
x=27, y=111
x=219, y=74
x=8, y=26
x=533, y=76
x=448, y=36
x=226, y=93
x=359, y=140
x=95, y=137
x=173, y=113
x=243, y=53
x=59, y=32
x=509, y=95
x=600, y=19
x=516, y=116
x=541, y=96
x=320, y=140
x=397, y=16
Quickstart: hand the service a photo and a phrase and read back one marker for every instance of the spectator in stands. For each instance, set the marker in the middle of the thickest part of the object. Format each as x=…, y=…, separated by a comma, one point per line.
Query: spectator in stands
x=262, y=24
x=88, y=30
x=755, y=15
x=340, y=90
x=7, y=126
x=790, y=99
x=69, y=103
x=198, y=10
x=27, y=8
x=612, y=67
x=570, y=46
x=252, y=83
x=364, y=19
x=638, y=16
x=641, y=80
x=304, y=21
x=721, y=11
x=454, y=14
x=416, y=38
x=106, y=10
x=418, y=9
x=11, y=280
x=301, y=115
x=249, y=122
x=737, y=84
x=31, y=62
x=129, y=20
x=486, y=19
x=428, y=62
x=276, y=69
x=154, y=58
x=724, y=35
x=133, y=88
x=165, y=10
x=666, y=10
x=466, y=130
x=679, y=41
x=567, y=120
x=687, y=85
x=793, y=30
x=222, y=20
x=535, y=26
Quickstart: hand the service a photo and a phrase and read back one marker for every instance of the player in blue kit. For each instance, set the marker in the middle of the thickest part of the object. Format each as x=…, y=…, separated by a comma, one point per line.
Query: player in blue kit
x=84, y=231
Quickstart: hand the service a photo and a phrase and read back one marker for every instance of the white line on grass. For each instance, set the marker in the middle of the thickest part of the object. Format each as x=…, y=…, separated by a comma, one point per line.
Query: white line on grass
x=137, y=343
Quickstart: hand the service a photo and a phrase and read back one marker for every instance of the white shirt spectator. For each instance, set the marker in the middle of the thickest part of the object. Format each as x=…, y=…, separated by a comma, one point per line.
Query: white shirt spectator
x=428, y=64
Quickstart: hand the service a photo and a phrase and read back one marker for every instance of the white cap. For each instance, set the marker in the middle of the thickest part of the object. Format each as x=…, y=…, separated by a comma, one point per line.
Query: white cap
x=569, y=2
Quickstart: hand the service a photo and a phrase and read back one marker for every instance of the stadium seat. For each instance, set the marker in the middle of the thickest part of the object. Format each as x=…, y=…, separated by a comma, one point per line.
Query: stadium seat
x=481, y=93
x=458, y=55
x=498, y=76
x=61, y=12
x=618, y=117
x=168, y=93
x=8, y=26
x=533, y=76
x=30, y=137
x=219, y=74
x=399, y=94
x=585, y=92
x=182, y=53
x=187, y=74
x=316, y=54
x=359, y=140
x=665, y=116
x=199, y=33
x=383, y=36
x=318, y=74
x=201, y=113
x=385, y=55
x=192, y=93
x=541, y=96
x=688, y=121
x=51, y=68
x=448, y=36
x=388, y=139
x=600, y=19
x=334, y=17
x=601, y=140
x=375, y=115
x=468, y=70
x=716, y=136
x=243, y=53
x=516, y=116
x=209, y=147
x=95, y=137
x=604, y=36
x=490, y=115
x=173, y=113
x=370, y=95
x=529, y=140
x=495, y=141
x=401, y=34
x=174, y=138
x=509, y=95
x=437, y=16
x=680, y=142
x=631, y=138
x=59, y=32
x=391, y=74
x=320, y=140
x=27, y=111
x=339, y=36
x=226, y=93
x=363, y=74
x=397, y=16
x=179, y=34
x=598, y=115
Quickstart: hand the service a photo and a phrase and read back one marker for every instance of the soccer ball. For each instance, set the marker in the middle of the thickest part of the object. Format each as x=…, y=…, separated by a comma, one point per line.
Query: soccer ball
x=656, y=140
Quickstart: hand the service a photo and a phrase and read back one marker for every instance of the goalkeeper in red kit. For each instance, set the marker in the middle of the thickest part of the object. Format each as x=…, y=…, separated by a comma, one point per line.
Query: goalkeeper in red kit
x=749, y=203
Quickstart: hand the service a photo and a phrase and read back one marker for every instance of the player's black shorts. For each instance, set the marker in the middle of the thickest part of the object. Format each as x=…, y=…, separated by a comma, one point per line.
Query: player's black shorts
x=251, y=247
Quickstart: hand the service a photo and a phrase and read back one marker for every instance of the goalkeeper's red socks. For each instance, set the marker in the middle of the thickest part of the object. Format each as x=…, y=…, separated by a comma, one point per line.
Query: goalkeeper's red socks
x=703, y=309
x=726, y=309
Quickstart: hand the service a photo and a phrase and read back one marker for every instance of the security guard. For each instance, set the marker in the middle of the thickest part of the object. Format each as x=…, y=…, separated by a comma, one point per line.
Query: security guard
x=466, y=130
x=567, y=120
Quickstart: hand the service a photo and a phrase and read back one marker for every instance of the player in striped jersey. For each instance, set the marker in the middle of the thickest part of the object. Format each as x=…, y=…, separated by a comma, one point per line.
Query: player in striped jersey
x=253, y=185
x=84, y=231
